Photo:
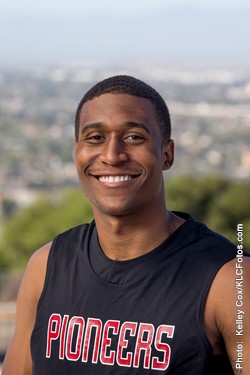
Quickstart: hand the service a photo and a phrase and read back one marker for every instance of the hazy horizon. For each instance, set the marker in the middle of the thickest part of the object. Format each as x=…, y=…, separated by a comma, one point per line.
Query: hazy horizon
x=128, y=33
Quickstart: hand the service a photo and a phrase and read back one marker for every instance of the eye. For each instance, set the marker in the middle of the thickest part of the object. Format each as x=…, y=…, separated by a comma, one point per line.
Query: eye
x=134, y=138
x=93, y=138
x=96, y=137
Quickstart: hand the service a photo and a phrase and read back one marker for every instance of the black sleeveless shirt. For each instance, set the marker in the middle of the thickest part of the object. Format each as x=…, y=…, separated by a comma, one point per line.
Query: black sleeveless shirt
x=141, y=316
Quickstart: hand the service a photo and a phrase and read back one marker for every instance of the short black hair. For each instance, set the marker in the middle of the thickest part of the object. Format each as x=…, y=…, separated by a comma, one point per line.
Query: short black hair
x=124, y=84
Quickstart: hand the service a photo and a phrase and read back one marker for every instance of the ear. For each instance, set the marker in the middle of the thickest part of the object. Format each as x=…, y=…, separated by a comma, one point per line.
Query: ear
x=168, y=154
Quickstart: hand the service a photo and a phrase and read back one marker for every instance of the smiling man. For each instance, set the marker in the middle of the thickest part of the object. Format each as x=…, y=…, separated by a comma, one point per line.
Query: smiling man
x=141, y=289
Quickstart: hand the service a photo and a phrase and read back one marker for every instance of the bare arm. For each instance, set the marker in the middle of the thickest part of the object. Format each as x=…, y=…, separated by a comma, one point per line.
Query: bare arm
x=229, y=303
x=18, y=357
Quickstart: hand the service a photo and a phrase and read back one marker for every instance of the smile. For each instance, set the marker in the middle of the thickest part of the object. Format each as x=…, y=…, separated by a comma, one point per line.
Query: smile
x=112, y=179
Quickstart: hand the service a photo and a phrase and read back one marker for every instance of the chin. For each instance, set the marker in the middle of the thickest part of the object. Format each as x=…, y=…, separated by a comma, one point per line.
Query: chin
x=118, y=210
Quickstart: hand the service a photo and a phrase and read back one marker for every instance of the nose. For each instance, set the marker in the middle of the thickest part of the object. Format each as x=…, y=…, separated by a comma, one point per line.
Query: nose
x=114, y=152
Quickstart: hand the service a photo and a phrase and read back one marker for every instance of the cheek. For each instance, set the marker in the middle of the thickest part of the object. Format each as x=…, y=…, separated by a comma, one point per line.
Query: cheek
x=82, y=158
x=80, y=164
x=78, y=160
x=153, y=159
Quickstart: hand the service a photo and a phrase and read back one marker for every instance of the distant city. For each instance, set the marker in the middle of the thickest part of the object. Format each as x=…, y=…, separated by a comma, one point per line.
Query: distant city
x=210, y=117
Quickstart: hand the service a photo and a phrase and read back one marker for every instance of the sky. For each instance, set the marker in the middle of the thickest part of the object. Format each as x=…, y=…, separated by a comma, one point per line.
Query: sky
x=130, y=32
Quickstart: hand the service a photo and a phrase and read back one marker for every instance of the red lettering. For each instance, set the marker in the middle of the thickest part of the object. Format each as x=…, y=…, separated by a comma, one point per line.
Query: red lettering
x=97, y=324
x=106, y=342
x=129, y=344
x=123, y=344
x=74, y=355
x=53, y=331
x=162, y=347
x=144, y=344
x=62, y=336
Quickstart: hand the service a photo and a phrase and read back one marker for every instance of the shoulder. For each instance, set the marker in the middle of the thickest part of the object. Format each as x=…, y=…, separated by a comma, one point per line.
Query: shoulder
x=227, y=308
x=75, y=234
x=231, y=276
x=230, y=289
x=34, y=275
x=18, y=358
x=208, y=250
x=215, y=249
x=215, y=238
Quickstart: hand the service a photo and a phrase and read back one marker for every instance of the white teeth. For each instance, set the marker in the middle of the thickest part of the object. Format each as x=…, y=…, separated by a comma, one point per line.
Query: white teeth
x=111, y=179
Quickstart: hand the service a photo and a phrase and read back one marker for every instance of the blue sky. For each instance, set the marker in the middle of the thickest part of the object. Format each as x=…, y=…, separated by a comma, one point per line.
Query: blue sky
x=130, y=32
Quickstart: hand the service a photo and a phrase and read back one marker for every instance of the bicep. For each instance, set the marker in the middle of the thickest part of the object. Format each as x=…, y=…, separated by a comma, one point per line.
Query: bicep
x=18, y=357
x=233, y=313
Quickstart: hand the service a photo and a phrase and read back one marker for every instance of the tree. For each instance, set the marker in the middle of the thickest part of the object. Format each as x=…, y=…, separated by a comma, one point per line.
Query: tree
x=220, y=203
x=232, y=209
x=40, y=223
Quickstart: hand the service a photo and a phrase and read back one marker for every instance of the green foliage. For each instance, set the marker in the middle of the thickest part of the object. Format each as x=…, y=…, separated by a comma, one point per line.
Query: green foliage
x=218, y=202
x=231, y=209
x=40, y=223
x=9, y=207
x=195, y=195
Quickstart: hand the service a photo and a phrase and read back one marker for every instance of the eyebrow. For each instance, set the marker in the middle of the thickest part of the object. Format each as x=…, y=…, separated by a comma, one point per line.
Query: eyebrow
x=128, y=124
x=95, y=125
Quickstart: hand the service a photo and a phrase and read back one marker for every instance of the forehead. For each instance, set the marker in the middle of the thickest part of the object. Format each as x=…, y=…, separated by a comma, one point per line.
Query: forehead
x=123, y=106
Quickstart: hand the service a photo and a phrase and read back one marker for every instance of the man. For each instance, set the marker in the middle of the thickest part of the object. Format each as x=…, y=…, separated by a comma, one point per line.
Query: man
x=141, y=290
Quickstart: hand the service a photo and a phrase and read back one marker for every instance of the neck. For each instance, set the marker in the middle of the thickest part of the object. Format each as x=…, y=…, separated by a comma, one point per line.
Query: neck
x=123, y=237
